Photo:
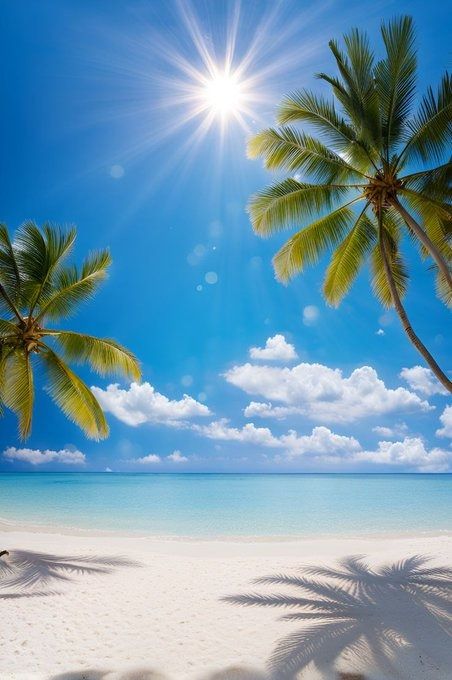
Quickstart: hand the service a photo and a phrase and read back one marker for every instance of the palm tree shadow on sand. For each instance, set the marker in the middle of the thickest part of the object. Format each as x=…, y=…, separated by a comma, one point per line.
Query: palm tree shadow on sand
x=391, y=622
x=35, y=574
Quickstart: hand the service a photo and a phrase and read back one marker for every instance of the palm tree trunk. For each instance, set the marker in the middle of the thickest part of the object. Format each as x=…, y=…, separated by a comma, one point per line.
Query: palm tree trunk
x=424, y=239
x=421, y=348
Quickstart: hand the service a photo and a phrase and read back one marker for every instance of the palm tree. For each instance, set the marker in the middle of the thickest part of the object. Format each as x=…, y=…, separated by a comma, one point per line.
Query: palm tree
x=364, y=191
x=36, y=288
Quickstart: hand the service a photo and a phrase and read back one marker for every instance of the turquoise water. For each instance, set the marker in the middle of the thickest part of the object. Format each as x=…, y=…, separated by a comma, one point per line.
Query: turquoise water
x=230, y=505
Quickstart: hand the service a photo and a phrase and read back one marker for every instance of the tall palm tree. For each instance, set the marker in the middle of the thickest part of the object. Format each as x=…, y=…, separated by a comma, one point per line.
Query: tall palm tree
x=36, y=288
x=363, y=190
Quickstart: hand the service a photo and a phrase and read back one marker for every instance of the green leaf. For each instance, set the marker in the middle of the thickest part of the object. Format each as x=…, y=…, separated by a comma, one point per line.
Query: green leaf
x=306, y=107
x=105, y=356
x=290, y=202
x=73, y=397
x=307, y=246
x=356, y=92
x=435, y=183
x=72, y=287
x=427, y=204
x=39, y=253
x=395, y=79
x=9, y=271
x=17, y=391
x=443, y=289
x=348, y=259
x=430, y=130
x=288, y=148
x=8, y=329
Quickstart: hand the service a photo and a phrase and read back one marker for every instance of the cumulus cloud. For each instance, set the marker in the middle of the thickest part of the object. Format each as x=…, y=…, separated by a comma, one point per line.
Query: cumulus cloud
x=323, y=446
x=398, y=430
x=422, y=380
x=143, y=404
x=276, y=349
x=221, y=430
x=410, y=453
x=150, y=459
x=39, y=457
x=321, y=393
x=322, y=442
x=177, y=457
x=446, y=420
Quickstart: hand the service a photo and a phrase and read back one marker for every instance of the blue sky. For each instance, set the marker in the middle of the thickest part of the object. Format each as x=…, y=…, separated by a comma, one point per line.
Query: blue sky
x=97, y=132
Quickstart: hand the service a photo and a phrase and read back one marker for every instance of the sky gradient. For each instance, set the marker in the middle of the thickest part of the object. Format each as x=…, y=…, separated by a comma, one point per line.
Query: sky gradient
x=239, y=372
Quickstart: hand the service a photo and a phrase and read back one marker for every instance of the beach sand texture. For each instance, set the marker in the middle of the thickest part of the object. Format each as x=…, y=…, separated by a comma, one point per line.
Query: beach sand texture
x=81, y=607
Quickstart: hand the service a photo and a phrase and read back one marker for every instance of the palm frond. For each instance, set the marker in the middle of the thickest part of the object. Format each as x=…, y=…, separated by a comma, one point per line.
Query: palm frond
x=435, y=183
x=104, y=355
x=9, y=270
x=395, y=78
x=348, y=259
x=306, y=107
x=443, y=289
x=8, y=329
x=70, y=287
x=289, y=202
x=17, y=390
x=288, y=148
x=39, y=252
x=430, y=130
x=357, y=92
x=74, y=398
x=307, y=246
x=427, y=204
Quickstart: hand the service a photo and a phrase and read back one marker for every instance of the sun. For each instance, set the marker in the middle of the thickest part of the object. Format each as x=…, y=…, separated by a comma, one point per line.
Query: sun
x=223, y=94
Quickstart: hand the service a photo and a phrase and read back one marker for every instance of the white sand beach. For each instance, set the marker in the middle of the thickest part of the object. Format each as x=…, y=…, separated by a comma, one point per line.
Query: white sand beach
x=127, y=608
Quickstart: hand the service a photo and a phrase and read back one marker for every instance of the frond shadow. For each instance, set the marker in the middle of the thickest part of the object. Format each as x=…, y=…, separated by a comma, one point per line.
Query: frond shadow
x=26, y=571
x=382, y=620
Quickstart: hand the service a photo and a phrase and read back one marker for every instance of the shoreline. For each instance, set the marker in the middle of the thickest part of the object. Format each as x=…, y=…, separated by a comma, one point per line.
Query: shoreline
x=11, y=526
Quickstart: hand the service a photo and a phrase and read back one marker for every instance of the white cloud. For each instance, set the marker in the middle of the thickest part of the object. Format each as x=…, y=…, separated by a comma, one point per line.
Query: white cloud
x=422, y=380
x=143, y=404
x=38, y=457
x=380, y=332
x=276, y=349
x=321, y=393
x=410, y=453
x=107, y=469
x=446, y=420
x=177, y=457
x=323, y=446
x=398, y=430
x=267, y=410
x=150, y=459
x=322, y=442
x=311, y=315
x=221, y=430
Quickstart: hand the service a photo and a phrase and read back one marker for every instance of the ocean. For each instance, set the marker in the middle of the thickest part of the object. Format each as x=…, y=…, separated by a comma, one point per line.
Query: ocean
x=230, y=505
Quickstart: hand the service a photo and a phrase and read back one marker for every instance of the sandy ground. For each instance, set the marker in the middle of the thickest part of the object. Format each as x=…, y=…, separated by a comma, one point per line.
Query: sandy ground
x=127, y=608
